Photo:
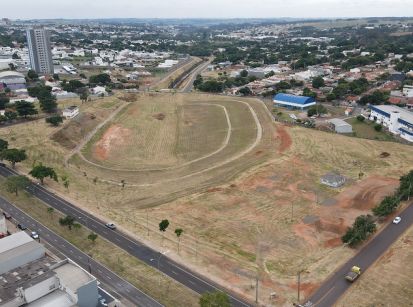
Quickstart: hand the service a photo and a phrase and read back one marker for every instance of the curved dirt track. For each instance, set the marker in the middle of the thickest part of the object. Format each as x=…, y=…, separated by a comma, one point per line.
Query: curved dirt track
x=221, y=148
x=257, y=139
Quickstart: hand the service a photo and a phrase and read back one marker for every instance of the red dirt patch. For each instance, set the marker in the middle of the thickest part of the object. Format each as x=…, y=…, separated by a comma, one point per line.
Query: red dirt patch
x=113, y=137
x=211, y=190
x=284, y=138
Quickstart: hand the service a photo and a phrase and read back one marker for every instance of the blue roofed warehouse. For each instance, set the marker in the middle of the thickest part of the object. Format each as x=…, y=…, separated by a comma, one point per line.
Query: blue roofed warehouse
x=293, y=101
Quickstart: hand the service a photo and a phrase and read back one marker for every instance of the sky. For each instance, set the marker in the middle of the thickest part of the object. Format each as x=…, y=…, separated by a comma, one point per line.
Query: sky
x=41, y=9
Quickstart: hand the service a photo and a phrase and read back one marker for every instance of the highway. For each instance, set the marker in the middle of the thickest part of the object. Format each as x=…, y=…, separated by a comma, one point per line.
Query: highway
x=192, y=76
x=335, y=286
x=144, y=253
x=122, y=287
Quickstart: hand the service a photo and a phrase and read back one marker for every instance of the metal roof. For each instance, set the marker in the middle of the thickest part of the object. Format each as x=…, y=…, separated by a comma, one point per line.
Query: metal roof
x=303, y=100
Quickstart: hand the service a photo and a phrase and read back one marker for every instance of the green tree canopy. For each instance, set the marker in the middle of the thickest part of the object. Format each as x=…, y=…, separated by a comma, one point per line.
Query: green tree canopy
x=3, y=144
x=163, y=225
x=100, y=79
x=25, y=108
x=362, y=228
x=40, y=172
x=16, y=183
x=13, y=155
x=67, y=221
x=54, y=120
x=318, y=82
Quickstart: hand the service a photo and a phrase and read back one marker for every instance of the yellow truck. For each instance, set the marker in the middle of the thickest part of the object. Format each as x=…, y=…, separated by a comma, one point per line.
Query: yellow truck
x=353, y=274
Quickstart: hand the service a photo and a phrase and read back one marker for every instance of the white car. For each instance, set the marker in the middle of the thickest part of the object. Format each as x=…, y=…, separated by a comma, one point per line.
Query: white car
x=34, y=235
x=397, y=220
x=111, y=226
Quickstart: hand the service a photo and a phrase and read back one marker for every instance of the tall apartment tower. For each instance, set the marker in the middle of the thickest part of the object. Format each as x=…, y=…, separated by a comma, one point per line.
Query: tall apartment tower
x=38, y=40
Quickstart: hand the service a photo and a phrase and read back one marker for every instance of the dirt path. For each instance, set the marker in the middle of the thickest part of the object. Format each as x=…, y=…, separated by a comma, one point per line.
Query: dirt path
x=90, y=135
x=284, y=137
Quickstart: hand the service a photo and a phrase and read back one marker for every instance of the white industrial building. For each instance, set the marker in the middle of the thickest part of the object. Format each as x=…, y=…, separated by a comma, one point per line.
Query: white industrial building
x=29, y=277
x=399, y=121
x=408, y=91
x=340, y=126
x=70, y=112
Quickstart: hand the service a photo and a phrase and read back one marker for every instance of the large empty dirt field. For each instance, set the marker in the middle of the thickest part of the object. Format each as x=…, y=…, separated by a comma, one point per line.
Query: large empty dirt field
x=249, y=204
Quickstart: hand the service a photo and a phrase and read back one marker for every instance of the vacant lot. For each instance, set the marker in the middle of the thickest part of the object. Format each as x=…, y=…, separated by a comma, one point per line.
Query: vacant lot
x=389, y=282
x=253, y=207
x=365, y=129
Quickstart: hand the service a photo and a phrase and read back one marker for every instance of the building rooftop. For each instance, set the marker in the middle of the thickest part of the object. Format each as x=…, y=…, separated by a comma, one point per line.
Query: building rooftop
x=294, y=98
x=10, y=74
x=337, y=122
x=404, y=114
x=72, y=276
x=56, y=298
x=13, y=241
x=25, y=276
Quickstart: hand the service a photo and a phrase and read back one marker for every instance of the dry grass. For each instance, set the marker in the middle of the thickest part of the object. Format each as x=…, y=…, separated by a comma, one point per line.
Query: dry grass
x=388, y=282
x=247, y=215
x=145, y=278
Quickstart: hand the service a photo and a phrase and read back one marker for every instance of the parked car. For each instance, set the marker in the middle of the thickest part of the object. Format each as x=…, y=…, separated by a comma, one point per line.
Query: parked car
x=34, y=235
x=6, y=215
x=21, y=227
x=111, y=226
x=397, y=220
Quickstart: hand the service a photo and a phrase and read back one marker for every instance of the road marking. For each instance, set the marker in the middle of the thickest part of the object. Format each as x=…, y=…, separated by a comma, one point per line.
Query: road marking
x=327, y=293
x=174, y=272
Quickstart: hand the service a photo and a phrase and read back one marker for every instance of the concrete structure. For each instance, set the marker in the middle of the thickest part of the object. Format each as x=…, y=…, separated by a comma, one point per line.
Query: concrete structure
x=3, y=226
x=38, y=40
x=333, y=180
x=399, y=121
x=13, y=80
x=31, y=278
x=408, y=91
x=293, y=101
x=340, y=126
x=17, y=250
x=70, y=112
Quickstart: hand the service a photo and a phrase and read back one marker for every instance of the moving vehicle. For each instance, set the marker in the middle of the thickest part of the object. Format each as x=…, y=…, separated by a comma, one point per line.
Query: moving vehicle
x=397, y=220
x=21, y=227
x=34, y=235
x=111, y=226
x=6, y=215
x=353, y=274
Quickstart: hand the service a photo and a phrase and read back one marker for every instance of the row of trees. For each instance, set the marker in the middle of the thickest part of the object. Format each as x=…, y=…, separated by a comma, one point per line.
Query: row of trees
x=163, y=226
x=365, y=225
x=43, y=93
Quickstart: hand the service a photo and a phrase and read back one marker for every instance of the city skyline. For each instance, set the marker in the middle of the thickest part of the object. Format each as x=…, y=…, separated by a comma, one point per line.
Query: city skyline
x=44, y=9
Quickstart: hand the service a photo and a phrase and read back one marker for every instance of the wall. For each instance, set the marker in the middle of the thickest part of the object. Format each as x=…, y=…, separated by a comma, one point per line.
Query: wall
x=88, y=295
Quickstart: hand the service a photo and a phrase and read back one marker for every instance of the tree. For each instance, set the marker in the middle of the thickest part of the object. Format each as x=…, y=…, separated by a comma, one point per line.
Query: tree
x=307, y=92
x=56, y=77
x=362, y=228
x=378, y=127
x=31, y=74
x=316, y=110
x=102, y=79
x=72, y=85
x=84, y=95
x=163, y=225
x=10, y=115
x=77, y=226
x=50, y=210
x=54, y=120
x=92, y=237
x=40, y=172
x=387, y=206
x=360, y=118
x=13, y=155
x=15, y=56
x=48, y=103
x=3, y=100
x=16, y=183
x=318, y=82
x=245, y=91
x=243, y=73
x=25, y=108
x=3, y=145
x=67, y=221
x=178, y=233
x=214, y=299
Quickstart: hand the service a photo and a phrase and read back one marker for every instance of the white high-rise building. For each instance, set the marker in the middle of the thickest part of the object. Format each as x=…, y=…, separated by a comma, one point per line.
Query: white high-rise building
x=38, y=40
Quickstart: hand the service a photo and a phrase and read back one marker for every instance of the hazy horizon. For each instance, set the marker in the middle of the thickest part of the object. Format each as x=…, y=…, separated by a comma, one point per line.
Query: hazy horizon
x=212, y=9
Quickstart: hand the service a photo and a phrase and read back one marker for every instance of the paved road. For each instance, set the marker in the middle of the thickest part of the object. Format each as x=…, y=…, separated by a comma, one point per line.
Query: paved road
x=336, y=285
x=144, y=253
x=103, y=274
x=192, y=76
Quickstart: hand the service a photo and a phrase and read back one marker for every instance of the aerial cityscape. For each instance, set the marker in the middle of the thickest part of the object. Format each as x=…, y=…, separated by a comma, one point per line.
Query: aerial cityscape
x=210, y=153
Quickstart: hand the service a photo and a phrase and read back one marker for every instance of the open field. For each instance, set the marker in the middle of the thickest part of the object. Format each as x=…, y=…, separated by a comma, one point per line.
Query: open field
x=147, y=279
x=389, y=282
x=366, y=130
x=254, y=206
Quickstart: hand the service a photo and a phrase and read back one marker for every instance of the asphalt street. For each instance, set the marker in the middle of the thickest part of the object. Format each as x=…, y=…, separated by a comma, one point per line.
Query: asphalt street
x=193, y=74
x=103, y=274
x=335, y=286
x=190, y=279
